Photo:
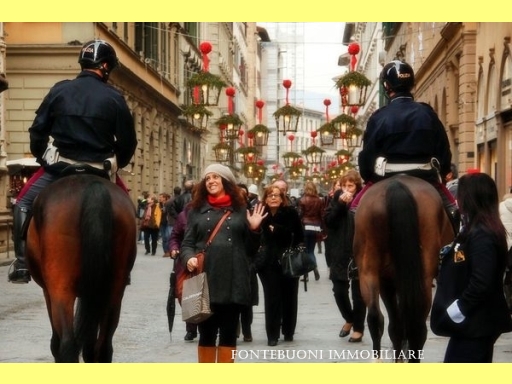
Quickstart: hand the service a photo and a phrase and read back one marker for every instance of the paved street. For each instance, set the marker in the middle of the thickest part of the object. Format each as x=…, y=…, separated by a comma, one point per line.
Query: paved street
x=142, y=335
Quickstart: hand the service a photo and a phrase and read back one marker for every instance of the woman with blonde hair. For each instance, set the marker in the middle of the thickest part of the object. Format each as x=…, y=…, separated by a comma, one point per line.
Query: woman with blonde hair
x=280, y=229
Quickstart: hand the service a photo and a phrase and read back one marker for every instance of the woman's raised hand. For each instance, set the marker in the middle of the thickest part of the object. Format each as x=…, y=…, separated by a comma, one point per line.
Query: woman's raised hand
x=255, y=218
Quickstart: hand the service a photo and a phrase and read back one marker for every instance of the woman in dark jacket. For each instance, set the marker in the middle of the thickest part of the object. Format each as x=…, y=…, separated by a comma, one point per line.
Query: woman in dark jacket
x=470, y=305
x=338, y=245
x=280, y=229
x=226, y=262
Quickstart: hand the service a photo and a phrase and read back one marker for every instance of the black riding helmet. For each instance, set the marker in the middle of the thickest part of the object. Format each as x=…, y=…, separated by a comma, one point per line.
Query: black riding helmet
x=397, y=76
x=96, y=52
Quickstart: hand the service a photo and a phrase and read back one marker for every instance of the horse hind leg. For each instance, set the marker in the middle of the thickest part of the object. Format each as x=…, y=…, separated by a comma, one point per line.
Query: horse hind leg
x=64, y=346
x=395, y=326
x=375, y=319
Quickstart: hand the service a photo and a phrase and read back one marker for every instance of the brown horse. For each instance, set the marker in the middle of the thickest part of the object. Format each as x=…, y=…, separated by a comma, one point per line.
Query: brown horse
x=81, y=247
x=400, y=226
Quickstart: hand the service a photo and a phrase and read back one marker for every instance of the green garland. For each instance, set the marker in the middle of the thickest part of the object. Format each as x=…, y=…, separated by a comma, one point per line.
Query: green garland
x=229, y=119
x=329, y=128
x=344, y=119
x=259, y=128
x=287, y=110
x=353, y=78
x=192, y=109
x=312, y=149
x=206, y=78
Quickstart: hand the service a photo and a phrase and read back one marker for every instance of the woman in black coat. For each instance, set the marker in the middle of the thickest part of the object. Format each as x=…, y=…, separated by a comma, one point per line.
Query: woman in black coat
x=281, y=228
x=226, y=263
x=469, y=305
x=338, y=248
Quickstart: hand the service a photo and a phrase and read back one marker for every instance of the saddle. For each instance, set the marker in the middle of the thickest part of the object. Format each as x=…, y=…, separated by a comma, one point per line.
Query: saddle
x=83, y=169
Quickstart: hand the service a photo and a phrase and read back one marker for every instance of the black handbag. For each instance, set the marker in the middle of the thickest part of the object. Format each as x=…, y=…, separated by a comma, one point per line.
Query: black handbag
x=295, y=261
x=452, y=279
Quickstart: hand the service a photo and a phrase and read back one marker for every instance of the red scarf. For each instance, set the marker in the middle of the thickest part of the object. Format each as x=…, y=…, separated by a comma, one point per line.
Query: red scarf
x=221, y=201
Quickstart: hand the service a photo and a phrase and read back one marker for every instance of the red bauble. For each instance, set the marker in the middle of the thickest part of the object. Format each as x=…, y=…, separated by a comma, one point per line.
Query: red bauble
x=327, y=102
x=287, y=83
x=291, y=137
x=260, y=104
x=260, y=162
x=250, y=135
x=354, y=109
x=205, y=47
x=230, y=91
x=353, y=48
x=314, y=134
x=241, y=132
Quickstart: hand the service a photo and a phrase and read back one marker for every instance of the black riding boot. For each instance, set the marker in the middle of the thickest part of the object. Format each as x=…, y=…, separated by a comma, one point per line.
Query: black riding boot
x=18, y=272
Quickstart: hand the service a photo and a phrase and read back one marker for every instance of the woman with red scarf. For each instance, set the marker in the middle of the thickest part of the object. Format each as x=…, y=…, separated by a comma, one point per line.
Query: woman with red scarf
x=227, y=258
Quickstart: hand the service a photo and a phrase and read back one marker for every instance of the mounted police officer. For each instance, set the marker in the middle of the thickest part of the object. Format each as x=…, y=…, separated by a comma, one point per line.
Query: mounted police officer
x=90, y=123
x=405, y=137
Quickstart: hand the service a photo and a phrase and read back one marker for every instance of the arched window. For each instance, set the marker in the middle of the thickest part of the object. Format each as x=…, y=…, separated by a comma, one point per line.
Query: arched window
x=506, y=84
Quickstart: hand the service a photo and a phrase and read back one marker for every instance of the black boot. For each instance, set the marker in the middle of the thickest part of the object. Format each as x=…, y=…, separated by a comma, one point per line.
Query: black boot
x=18, y=272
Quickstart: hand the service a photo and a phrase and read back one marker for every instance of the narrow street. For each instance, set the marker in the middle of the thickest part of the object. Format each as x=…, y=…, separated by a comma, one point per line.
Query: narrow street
x=143, y=336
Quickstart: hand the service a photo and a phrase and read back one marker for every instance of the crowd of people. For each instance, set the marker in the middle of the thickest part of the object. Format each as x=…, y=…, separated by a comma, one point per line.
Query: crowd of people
x=404, y=136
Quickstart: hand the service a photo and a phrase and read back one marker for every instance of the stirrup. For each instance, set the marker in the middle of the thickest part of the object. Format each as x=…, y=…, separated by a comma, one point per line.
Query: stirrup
x=17, y=275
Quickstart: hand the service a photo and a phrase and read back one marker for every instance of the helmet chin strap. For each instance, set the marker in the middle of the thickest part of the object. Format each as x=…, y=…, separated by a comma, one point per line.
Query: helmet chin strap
x=104, y=72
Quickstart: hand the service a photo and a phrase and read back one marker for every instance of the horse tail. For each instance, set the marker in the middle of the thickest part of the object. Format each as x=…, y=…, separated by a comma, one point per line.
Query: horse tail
x=96, y=228
x=406, y=253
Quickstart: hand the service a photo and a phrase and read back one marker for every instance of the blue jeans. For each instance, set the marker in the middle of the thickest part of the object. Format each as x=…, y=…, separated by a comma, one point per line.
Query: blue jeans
x=310, y=243
x=165, y=234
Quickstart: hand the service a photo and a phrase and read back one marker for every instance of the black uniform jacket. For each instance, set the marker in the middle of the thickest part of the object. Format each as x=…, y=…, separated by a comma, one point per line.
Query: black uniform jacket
x=88, y=119
x=473, y=275
x=404, y=131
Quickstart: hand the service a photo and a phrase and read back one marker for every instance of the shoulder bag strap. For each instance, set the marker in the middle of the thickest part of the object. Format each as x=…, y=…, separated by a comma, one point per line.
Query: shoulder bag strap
x=216, y=229
x=200, y=259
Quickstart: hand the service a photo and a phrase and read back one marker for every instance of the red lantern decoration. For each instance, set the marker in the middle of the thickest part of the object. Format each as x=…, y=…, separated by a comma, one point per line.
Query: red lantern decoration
x=354, y=109
x=353, y=48
x=287, y=84
x=230, y=92
x=205, y=48
x=241, y=132
x=259, y=105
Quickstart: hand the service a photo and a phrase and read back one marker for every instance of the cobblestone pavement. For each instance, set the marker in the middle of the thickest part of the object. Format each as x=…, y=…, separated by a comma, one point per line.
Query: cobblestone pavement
x=143, y=336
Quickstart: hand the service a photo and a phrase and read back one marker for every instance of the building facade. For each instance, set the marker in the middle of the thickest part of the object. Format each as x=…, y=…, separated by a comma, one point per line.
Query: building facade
x=157, y=59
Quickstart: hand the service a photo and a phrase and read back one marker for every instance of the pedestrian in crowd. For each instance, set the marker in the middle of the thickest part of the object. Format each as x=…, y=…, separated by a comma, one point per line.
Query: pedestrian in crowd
x=175, y=240
x=283, y=186
x=142, y=202
x=469, y=305
x=151, y=225
x=405, y=137
x=247, y=315
x=338, y=246
x=169, y=209
x=280, y=229
x=336, y=185
x=311, y=211
x=182, y=200
x=227, y=258
x=89, y=122
x=165, y=230
x=253, y=195
x=452, y=180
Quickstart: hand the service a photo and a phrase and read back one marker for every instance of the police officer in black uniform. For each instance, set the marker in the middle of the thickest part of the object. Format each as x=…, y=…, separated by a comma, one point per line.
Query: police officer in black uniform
x=404, y=137
x=89, y=121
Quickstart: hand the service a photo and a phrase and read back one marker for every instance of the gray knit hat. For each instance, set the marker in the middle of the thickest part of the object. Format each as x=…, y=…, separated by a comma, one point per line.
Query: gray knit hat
x=221, y=170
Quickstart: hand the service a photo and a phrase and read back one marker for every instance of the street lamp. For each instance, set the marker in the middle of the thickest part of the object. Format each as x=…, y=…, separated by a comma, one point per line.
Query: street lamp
x=287, y=117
